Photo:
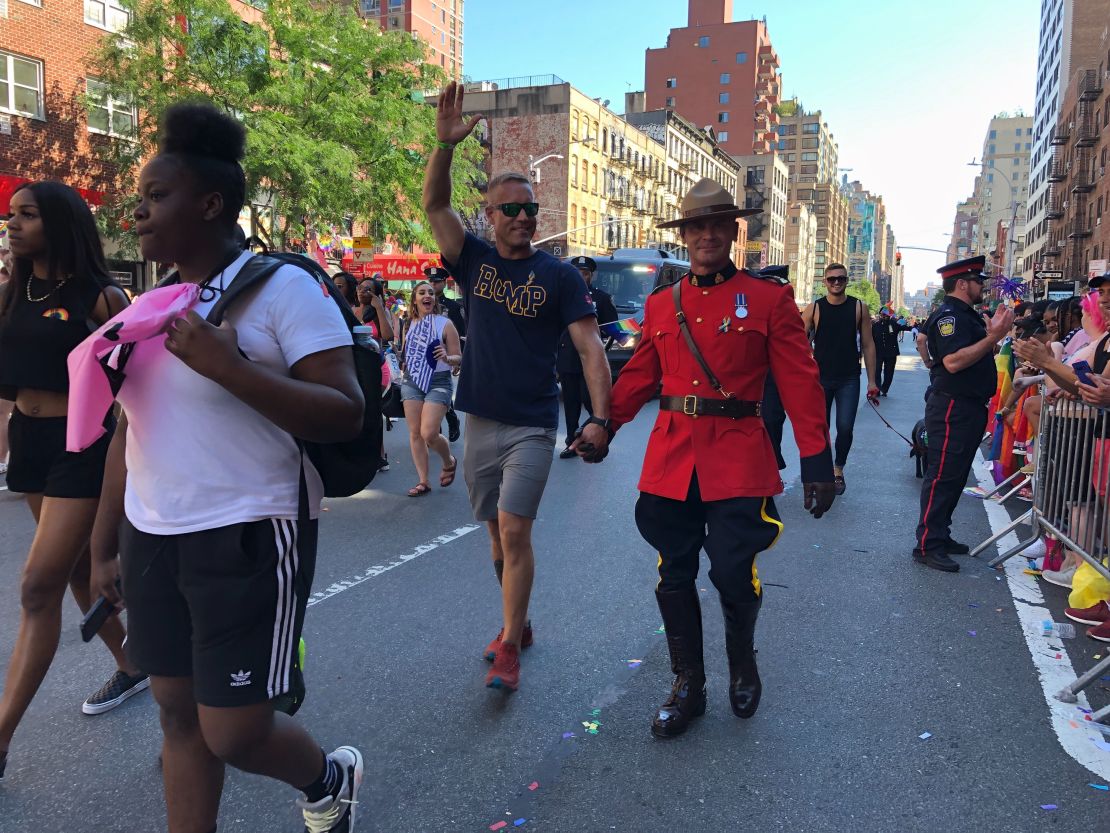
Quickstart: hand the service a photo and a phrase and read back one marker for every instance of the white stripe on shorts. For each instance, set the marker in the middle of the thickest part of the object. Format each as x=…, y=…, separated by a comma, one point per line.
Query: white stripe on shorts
x=281, y=649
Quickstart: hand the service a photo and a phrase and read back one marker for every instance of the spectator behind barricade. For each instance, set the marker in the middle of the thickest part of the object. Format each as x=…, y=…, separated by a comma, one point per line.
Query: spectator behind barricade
x=1096, y=314
x=5, y=404
x=430, y=350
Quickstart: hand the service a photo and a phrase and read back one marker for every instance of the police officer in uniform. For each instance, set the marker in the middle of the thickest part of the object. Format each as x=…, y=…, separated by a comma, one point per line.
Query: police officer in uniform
x=774, y=416
x=964, y=377
x=569, y=364
x=437, y=277
x=709, y=472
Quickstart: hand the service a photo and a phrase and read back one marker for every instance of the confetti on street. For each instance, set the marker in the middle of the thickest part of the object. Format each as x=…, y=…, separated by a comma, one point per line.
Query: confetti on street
x=925, y=735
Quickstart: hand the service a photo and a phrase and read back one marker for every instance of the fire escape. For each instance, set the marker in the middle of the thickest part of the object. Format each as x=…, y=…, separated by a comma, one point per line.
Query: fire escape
x=1084, y=178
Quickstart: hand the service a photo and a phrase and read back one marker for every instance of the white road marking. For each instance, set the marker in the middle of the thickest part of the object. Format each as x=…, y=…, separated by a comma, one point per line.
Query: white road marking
x=338, y=587
x=1054, y=673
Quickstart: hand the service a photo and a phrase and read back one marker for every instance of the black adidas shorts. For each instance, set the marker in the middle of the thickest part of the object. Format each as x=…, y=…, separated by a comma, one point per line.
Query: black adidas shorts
x=224, y=606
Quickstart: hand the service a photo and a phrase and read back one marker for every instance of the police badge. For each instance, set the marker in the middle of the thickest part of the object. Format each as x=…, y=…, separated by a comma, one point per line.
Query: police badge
x=947, y=325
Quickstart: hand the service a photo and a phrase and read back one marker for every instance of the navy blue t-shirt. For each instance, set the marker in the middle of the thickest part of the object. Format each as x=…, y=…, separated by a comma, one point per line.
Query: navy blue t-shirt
x=515, y=312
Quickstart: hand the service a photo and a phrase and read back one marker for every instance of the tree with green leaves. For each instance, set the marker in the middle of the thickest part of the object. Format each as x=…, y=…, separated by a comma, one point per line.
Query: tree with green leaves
x=337, y=125
x=866, y=292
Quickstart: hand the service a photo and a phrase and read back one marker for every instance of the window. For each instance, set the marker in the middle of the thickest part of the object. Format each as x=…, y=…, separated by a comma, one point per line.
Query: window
x=1018, y=131
x=994, y=134
x=114, y=116
x=722, y=118
x=990, y=149
x=107, y=14
x=810, y=143
x=722, y=136
x=726, y=78
x=20, y=86
x=396, y=4
x=585, y=175
x=593, y=182
x=809, y=157
x=574, y=171
x=670, y=101
x=722, y=98
x=672, y=83
x=371, y=6
x=741, y=57
x=812, y=127
x=703, y=42
x=573, y=216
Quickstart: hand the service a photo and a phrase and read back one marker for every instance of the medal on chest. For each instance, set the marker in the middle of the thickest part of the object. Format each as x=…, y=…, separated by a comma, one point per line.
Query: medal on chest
x=741, y=305
x=726, y=322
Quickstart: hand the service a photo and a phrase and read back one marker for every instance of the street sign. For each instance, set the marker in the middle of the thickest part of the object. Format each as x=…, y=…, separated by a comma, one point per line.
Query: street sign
x=1043, y=275
x=1095, y=268
x=363, y=255
x=362, y=243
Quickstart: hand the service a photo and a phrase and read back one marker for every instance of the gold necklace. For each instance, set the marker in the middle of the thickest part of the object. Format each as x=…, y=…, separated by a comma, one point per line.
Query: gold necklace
x=48, y=294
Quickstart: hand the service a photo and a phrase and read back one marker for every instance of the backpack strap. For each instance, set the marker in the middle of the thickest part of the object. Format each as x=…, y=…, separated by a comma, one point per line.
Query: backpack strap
x=255, y=272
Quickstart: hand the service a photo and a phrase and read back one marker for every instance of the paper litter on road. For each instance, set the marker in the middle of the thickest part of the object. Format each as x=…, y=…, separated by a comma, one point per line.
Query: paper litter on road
x=535, y=785
x=498, y=825
x=1048, y=806
x=1102, y=787
x=634, y=663
x=925, y=735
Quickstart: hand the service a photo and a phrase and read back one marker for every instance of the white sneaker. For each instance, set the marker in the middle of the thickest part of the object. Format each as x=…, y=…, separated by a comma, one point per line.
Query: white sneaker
x=3, y=468
x=1035, y=550
x=1061, y=578
x=336, y=815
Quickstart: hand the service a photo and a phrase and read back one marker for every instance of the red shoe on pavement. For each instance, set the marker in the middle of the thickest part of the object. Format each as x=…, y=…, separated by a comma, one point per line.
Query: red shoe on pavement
x=1094, y=615
x=505, y=672
x=525, y=641
x=1100, y=632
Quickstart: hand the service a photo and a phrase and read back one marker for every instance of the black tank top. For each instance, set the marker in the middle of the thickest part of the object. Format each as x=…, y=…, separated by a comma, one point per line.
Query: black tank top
x=1102, y=356
x=36, y=337
x=834, y=343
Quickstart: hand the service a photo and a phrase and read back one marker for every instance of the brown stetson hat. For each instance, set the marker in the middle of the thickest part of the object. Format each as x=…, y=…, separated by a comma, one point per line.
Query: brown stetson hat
x=705, y=200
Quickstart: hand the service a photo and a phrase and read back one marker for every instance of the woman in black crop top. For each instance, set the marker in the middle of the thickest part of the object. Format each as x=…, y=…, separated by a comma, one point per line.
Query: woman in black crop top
x=59, y=289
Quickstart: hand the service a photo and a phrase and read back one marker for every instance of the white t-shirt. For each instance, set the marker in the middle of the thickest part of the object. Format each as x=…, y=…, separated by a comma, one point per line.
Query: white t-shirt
x=199, y=458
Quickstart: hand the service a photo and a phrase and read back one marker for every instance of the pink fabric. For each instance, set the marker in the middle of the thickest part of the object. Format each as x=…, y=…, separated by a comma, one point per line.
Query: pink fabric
x=90, y=392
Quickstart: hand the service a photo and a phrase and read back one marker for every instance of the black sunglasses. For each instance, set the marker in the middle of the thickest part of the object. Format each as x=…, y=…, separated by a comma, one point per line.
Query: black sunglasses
x=512, y=209
x=836, y=279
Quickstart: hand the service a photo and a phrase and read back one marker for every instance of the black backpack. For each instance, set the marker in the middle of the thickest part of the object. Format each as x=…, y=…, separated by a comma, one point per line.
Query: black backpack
x=345, y=467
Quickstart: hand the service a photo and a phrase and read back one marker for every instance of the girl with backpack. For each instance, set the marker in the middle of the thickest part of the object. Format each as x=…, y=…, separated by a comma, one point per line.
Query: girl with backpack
x=214, y=502
x=59, y=291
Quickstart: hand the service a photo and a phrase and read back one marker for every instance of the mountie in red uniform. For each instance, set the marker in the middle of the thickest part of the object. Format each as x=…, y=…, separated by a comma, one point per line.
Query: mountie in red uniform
x=710, y=472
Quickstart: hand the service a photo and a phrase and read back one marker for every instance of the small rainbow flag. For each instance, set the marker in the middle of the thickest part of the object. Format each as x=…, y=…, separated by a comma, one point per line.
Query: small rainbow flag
x=396, y=305
x=621, y=329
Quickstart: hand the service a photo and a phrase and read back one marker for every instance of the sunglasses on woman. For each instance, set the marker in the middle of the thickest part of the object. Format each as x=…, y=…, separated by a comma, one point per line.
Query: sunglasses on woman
x=512, y=209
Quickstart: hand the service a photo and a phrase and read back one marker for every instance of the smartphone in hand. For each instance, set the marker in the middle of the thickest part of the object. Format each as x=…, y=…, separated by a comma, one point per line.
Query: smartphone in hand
x=96, y=617
x=1083, y=372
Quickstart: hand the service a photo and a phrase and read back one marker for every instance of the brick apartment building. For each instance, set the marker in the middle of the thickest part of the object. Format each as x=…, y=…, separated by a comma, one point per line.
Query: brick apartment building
x=719, y=73
x=1078, y=240
x=439, y=23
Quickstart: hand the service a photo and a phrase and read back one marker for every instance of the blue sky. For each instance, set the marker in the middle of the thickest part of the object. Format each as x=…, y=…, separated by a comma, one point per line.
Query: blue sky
x=907, y=89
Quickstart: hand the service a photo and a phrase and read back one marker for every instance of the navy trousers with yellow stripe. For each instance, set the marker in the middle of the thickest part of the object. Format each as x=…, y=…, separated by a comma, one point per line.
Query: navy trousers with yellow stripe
x=733, y=532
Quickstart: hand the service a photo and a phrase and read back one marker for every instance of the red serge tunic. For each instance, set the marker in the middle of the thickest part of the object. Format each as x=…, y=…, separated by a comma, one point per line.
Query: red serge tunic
x=732, y=457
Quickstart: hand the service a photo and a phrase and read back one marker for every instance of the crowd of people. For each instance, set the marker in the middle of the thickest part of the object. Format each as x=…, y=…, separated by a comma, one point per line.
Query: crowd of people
x=215, y=559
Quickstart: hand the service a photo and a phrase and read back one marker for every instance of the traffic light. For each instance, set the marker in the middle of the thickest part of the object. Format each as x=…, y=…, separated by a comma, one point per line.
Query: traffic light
x=897, y=258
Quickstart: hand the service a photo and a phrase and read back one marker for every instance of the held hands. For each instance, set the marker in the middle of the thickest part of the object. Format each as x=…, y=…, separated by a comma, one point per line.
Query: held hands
x=818, y=497
x=1001, y=322
x=450, y=127
x=208, y=350
x=591, y=444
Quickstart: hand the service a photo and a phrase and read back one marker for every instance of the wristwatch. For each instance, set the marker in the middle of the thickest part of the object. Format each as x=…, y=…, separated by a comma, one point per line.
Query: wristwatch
x=604, y=423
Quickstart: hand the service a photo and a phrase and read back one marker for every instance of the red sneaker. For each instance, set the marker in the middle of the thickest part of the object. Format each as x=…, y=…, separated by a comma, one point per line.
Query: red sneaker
x=505, y=672
x=525, y=642
x=1094, y=615
x=1099, y=632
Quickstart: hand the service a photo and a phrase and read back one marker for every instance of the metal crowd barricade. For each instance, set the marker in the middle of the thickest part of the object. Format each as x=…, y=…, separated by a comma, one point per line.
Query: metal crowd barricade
x=1070, y=499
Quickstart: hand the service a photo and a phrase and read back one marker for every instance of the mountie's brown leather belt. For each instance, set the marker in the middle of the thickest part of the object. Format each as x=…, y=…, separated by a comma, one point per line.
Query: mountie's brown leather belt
x=695, y=405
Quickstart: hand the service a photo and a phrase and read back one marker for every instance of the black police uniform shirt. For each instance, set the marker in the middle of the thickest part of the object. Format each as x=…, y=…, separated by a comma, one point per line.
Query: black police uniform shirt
x=516, y=310
x=568, y=360
x=954, y=326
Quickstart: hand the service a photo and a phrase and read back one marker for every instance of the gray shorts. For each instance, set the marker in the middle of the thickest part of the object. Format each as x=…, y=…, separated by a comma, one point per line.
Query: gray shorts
x=506, y=467
x=438, y=394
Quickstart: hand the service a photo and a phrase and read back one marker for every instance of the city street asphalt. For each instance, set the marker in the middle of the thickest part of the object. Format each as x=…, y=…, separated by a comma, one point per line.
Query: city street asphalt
x=896, y=698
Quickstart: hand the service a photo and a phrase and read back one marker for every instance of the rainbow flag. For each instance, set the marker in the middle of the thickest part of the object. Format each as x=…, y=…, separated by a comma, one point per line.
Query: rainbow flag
x=396, y=305
x=622, y=329
x=1002, y=441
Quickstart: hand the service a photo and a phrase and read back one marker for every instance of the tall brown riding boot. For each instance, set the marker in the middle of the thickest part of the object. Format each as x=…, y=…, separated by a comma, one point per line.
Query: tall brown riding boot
x=744, y=688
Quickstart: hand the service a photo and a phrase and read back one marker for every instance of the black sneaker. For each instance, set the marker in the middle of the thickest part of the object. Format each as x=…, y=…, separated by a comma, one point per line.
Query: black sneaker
x=120, y=687
x=336, y=815
x=956, y=548
x=384, y=464
x=936, y=560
